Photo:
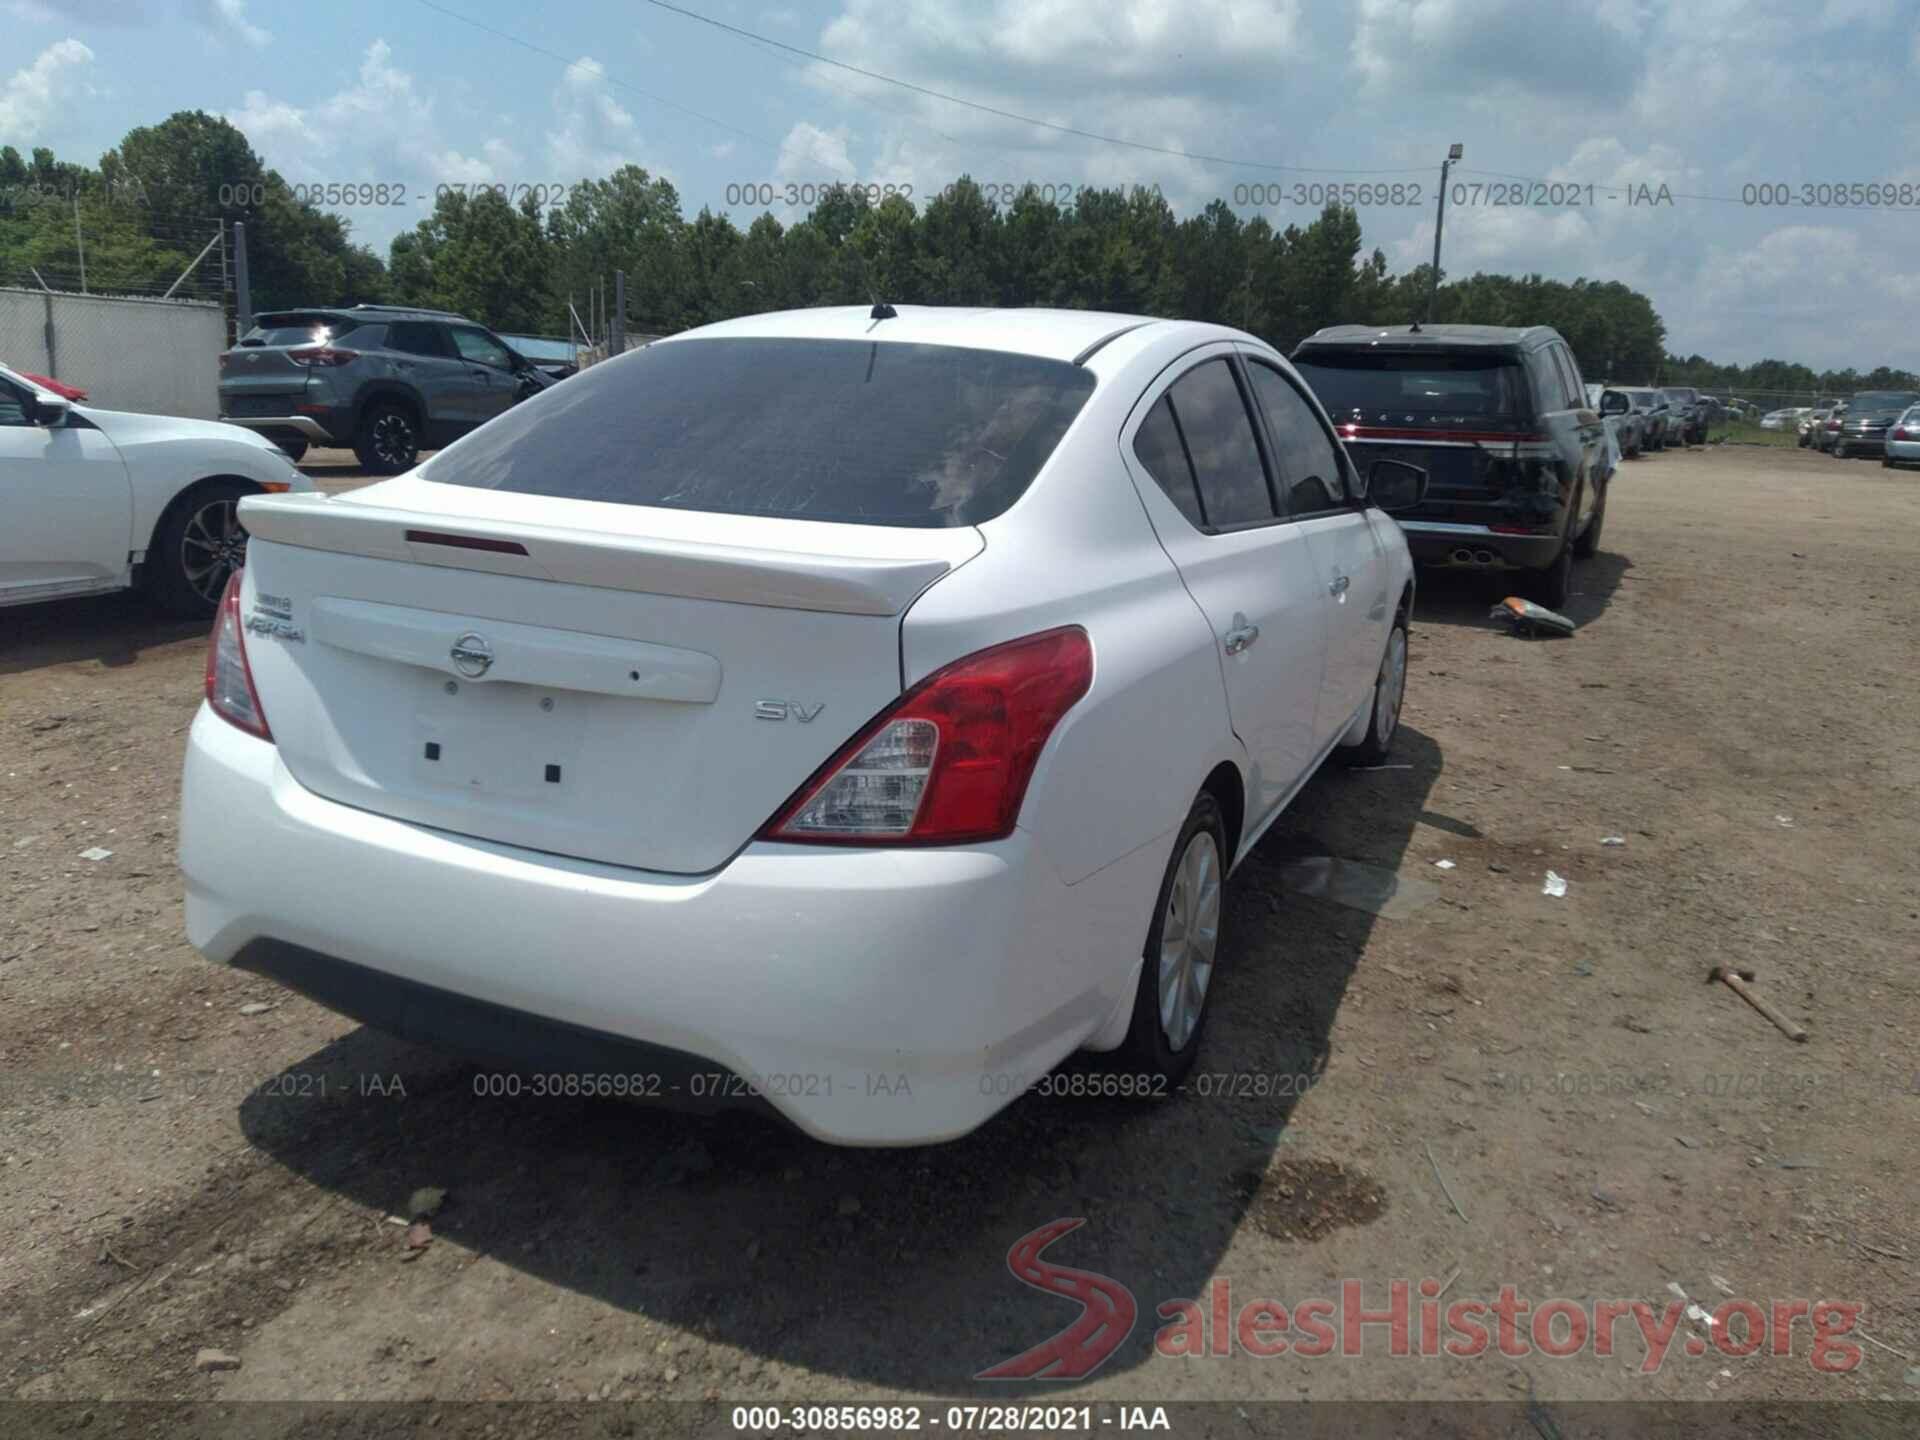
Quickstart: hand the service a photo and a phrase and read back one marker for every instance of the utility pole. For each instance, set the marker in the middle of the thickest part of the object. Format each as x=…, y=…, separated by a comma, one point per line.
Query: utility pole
x=1454, y=152
x=242, y=291
x=618, y=344
x=78, y=243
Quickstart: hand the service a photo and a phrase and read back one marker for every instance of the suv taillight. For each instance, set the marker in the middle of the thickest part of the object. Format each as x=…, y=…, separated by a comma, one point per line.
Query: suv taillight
x=949, y=762
x=230, y=688
x=322, y=355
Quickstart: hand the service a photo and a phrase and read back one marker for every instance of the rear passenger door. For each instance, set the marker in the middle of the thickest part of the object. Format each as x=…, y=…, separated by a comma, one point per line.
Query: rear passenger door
x=1198, y=460
x=424, y=358
x=1577, y=429
x=1323, y=499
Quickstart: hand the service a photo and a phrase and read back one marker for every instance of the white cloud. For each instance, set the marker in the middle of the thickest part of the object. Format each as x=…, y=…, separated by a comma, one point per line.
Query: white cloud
x=594, y=133
x=230, y=16
x=34, y=93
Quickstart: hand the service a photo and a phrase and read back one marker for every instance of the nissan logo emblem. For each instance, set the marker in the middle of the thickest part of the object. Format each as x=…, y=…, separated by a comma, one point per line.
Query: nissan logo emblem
x=472, y=655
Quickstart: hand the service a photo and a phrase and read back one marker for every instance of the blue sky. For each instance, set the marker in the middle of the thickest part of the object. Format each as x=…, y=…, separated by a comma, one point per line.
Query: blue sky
x=1706, y=98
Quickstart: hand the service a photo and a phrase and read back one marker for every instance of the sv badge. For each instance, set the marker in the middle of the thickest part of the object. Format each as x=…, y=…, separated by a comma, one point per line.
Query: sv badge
x=786, y=710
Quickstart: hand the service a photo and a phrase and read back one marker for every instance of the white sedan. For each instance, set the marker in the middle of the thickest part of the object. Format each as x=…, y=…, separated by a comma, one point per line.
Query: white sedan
x=853, y=713
x=100, y=500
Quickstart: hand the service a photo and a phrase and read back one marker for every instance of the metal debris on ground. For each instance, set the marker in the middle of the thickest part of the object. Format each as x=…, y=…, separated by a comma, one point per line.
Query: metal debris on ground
x=1443, y=864
x=1613, y=839
x=1553, y=885
x=1358, y=886
x=1528, y=618
x=96, y=853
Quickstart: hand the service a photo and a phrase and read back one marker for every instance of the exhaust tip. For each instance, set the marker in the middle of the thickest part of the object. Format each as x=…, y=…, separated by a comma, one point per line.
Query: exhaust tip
x=1485, y=557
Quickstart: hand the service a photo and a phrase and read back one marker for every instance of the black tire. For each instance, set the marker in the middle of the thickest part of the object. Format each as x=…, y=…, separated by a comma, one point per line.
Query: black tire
x=1839, y=451
x=1383, y=722
x=387, y=439
x=292, y=449
x=1589, y=542
x=1148, y=1048
x=197, y=546
x=1551, y=587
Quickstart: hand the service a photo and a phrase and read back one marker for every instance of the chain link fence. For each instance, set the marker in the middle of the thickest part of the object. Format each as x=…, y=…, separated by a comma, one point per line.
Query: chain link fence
x=159, y=357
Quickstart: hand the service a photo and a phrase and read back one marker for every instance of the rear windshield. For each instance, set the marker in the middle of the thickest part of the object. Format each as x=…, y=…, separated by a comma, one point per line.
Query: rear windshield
x=298, y=330
x=1415, y=384
x=867, y=432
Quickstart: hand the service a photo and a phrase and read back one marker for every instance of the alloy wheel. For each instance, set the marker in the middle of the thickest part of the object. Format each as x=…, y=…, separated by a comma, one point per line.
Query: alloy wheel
x=393, y=438
x=212, y=547
x=1189, y=932
x=1391, y=688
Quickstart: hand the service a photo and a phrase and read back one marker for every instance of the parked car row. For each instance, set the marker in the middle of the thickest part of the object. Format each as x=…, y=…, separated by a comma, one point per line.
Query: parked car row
x=1862, y=425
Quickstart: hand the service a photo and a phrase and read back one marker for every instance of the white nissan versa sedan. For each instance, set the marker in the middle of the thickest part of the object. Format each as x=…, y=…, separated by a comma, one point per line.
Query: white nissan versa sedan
x=93, y=500
x=857, y=711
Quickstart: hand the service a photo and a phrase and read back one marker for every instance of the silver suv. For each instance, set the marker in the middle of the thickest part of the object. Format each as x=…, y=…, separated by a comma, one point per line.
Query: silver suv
x=386, y=381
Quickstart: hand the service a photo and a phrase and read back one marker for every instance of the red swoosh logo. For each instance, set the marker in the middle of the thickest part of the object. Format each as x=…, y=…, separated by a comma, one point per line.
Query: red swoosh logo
x=1107, y=1312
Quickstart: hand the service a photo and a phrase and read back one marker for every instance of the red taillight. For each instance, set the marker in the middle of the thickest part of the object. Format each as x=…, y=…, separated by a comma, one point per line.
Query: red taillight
x=322, y=355
x=1900, y=432
x=230, y=688
x=948, y=764
x=1833, y=424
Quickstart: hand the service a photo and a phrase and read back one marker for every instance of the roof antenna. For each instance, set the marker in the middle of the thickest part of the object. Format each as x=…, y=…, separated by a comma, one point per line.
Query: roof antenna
x=881, y=310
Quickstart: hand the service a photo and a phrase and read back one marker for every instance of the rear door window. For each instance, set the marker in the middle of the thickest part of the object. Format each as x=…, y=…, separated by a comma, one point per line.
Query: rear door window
x=416, y=337
x=1158, y=447
x=1226, y=457
x=867, y=432
x=1308, y=462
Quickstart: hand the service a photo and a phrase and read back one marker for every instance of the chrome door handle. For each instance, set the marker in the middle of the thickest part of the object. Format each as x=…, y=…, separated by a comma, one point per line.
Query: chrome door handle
x=1240, y=637
x=1338, y=585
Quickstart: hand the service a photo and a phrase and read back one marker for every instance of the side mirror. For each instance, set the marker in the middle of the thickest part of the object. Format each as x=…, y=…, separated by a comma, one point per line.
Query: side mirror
x=50, y=410
x=1613, y=402
x=1394, y=485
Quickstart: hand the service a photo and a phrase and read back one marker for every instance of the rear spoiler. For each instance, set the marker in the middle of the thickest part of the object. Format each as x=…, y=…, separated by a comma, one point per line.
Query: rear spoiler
x=783, y=579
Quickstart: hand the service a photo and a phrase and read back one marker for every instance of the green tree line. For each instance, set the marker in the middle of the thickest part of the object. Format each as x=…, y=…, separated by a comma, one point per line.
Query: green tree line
x=154, y=198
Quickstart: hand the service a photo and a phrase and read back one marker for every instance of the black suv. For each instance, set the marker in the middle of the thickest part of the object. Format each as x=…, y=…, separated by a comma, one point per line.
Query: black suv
x=1516, y=462
x=386, y=380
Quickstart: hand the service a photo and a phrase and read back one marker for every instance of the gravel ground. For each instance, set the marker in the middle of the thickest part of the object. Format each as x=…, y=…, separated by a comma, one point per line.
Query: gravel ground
x=1506, y=1087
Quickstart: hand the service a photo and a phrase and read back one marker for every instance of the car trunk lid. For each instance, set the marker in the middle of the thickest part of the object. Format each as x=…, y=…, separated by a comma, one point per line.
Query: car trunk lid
x=619, y=683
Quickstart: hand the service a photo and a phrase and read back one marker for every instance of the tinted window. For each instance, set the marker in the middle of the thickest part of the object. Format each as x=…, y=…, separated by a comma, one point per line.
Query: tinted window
x=481, y=348
x=1570, y=374
x=1219, y=436
x=415, y=337
x=1309, y=465
x=871, y=432
x=13, y=405
x=1443, y=384
x=1158, y=447
x=298, y=330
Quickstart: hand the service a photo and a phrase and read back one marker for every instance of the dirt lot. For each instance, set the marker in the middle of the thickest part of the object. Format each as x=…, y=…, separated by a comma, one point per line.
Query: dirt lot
x=1509, y=1088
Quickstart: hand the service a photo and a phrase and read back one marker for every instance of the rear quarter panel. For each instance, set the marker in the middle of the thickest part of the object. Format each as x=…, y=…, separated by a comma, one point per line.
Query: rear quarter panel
x=1123, y=768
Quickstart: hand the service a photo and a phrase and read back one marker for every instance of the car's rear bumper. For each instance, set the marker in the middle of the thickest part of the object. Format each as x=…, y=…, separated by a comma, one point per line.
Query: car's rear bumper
x=304, y=426
x=1903, y=452
x=1871, y=443
x=1478, y=547
x=870, y=997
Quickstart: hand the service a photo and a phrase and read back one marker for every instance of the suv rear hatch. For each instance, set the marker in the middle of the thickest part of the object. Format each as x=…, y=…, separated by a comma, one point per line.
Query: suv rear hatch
x=609, y=624
x=267, y=372
x=1464, y=416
